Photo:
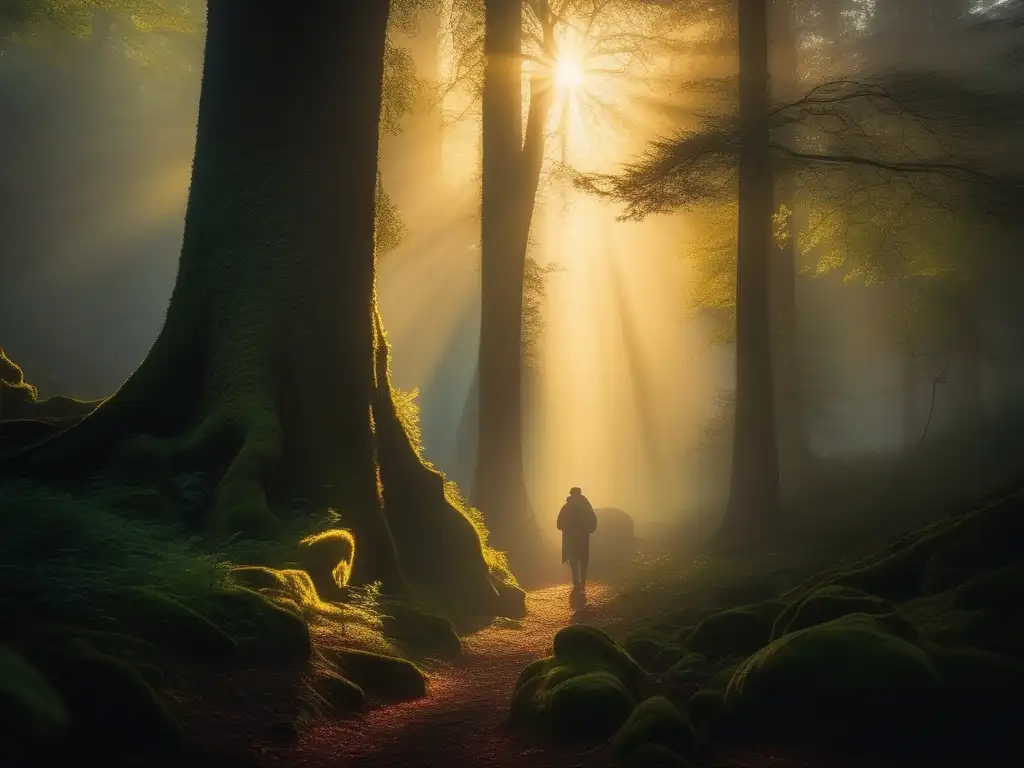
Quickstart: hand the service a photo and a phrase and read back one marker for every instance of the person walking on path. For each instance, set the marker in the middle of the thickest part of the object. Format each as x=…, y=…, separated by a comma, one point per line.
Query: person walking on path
x=577, y=520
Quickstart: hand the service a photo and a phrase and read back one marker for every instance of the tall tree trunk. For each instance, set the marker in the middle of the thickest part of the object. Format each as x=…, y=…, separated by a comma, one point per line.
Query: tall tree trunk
x=791, y=420
x=269, y=375
x=909, y=390
x=511, y=173
x=754, y=490
x=969, y=356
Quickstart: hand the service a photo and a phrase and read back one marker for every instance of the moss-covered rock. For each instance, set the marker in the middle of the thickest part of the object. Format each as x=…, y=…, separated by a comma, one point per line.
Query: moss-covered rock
x=730, y=633
x=965, y=669
x=654, y=756
x=943, y=555
x=588, y=648
x=655, y=721
x=387, y=677
x=177, y=629
x=31, y=710
x=340, y=693
x=258, y=577
x=667, y=658
x=684, y=677
x=705, y=708
x=422, y=631
x=982, y=541
x=722, y=672
x=263, y=628
x=585, y=659
x=691, y=663
x=849, y=681
x=825, y=604
x=975, y=716
x=511, y=600
x=644, y=650
x=111, y=706
x=588, y=707
x=327, y=557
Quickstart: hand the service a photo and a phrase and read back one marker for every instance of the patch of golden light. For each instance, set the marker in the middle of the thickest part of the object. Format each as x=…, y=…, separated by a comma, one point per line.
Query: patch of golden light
x=568, y=73
x=460, y=720
x=615, y=408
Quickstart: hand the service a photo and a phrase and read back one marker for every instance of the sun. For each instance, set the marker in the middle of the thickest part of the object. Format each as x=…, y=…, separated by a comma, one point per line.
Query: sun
x=568, y=73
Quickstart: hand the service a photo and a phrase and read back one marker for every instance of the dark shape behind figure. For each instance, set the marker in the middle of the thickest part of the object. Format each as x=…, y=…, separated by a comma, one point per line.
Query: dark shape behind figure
x=614, y=543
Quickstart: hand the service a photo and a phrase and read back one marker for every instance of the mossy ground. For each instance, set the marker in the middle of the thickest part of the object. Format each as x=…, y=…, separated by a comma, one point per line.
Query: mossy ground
x=119, y=616
x=909, y=649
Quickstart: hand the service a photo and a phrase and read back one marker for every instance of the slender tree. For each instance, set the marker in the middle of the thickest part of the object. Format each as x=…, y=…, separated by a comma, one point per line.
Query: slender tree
x=511, y=173
x=754, y=489
x=791, y=417
x=270, y=375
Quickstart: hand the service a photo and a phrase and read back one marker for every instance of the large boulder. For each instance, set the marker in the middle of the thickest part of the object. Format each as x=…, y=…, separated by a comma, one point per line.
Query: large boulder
x=825, y=604
x=656, y=721
x=735, y=632
x=588, y=707
x=32, y=710
x=850, y=681
x=584, y=691
x=614, y=543
x=386, y=677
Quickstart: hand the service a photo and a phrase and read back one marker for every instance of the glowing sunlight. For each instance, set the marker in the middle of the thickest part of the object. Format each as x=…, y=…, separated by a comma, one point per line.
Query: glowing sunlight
x=568, y=73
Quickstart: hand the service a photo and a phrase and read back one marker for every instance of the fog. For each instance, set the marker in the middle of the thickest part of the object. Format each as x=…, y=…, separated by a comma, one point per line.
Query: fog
x=629, y=381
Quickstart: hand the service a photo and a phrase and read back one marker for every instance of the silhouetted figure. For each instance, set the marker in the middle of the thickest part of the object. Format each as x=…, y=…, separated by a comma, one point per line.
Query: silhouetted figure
x=577, y=521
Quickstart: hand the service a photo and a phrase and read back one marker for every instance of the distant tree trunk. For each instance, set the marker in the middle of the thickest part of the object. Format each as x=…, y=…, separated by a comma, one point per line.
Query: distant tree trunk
x=270, y=373
x=511, y=174
x=754, y=491
x=911, y=422
x=970, y=398
x=791, y=418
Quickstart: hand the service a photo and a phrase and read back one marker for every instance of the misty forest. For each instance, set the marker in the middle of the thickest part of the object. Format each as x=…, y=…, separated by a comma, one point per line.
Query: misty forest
x=534, y=383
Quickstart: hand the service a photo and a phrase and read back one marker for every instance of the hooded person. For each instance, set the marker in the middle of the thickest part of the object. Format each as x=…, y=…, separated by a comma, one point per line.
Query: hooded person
x=577, y=521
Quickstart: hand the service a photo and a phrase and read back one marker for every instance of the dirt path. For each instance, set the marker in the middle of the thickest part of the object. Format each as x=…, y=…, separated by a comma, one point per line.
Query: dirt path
x=461, y=720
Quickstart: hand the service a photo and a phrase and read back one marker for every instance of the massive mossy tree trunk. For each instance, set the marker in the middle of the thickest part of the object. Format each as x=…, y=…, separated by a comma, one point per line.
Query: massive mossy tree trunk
x=269, y=375
x=511, y=173
x=754, y=489
x=791, y=418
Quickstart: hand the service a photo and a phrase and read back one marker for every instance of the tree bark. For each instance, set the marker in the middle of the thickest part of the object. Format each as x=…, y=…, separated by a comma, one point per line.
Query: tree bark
x=511, y=174
x=754, y=491
x=267, y=373
x=791, y=419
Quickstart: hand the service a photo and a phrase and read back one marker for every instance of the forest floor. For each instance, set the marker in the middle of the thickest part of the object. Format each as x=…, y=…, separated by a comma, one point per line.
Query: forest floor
x=461, y=721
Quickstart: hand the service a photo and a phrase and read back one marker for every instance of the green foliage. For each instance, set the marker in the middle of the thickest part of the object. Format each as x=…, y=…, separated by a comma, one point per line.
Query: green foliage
x=28, y=18
x=389, y=227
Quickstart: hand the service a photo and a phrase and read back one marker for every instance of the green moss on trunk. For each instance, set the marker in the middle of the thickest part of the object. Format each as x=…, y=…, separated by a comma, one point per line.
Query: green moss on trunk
x=265, y=375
